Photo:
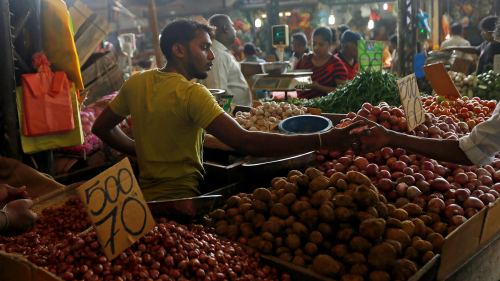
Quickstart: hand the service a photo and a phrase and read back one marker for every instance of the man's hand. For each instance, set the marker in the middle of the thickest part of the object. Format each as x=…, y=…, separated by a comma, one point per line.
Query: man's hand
x=21, y=219
x=9, y=193
x=377, y=136
x=341, y=139
x=313, y=86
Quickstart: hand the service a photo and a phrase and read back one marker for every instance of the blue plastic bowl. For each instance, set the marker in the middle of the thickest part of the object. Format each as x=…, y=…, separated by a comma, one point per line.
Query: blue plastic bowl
x=305, y=124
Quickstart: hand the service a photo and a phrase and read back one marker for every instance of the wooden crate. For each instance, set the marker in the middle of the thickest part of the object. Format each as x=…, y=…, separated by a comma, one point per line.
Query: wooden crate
x=105, y=85
x=96, y=66
x=89, y=28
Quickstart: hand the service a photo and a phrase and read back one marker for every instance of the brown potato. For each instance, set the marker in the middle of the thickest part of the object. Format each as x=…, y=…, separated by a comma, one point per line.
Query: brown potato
x=334, y=178
x=341, y=185
x=396, y=245
x=352, y=277
x=258, y=220
x=360, y=244
x=289, y=199
x=412, y=209
x=390, y=209
x=362, y=216
x=359, y=178
x=282, y=250
x=411, y=254
x=435, y=217
x=308, y=259
x=281, y=200
x=221, y=223
x=238, y=220
x=254, y=242
x=320, y=197
x=270, y=204
x=281, y=193
x=372, y=228
x=394, y=223
x=288, y=231
x=330, y=204
x=426, y=219
x=218, y=215
x=300, y=229
x=400, y=214
x=274, y=196
x=221, y=230
x=245, y=208
x=260, y=207
x=350, y=193
x=290, y=221
x=327, y=245
x=408, y=227
x=353, y=258
x=382, y=256
x=293, y=179
x=280, y=210
x=365, y=196
x=299, y=261
x=403, y=269
x=267, y=236
x=352, y=186
x=428, y=230
x=249, y=215
x=245, y=200
x=420, y=228
x=379, y=275
x=326, y=214
x=309, y=218
x=293, y=173
x=246, y=230
x=372, y=211
x=343, y=214
x=439, y=227
x=265, y=247
x=313, y=173
x=398, y=235
x=342, y=200
x=422, y=246
x=292, y=241
x=325, y=265
x=300, y=206
x=311, y=249
x=286, y=257
x=298, y=252
x=339, y=251
x=325, y=229
x=332, y=189
x=316, y=237
x=415, y=238
x=427, y=257
x=272, y=227
x=291, y=188
x=274, y=181
x=233, y=201
x=278, y=242
x=303, y=181
x=436, y=240
x=345, y=235
x=279, y=184
x=318, y=183
x=359, y=269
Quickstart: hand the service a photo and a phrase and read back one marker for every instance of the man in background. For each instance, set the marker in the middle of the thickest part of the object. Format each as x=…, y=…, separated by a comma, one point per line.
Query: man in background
x=226, y=71
x=394, y=52
x=341, y=29
x=456, y=39
x=250, y=53
x=299, y=47
x=349, y=52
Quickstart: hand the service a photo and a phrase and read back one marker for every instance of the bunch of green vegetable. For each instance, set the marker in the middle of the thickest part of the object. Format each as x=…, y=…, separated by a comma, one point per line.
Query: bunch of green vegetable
x=370, y=86
x=489, y=86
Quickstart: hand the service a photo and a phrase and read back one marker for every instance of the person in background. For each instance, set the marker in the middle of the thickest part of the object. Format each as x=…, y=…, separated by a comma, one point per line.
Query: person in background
x=382, y=34
x=341, y=29
x=328, y=70
x=299, y=47
x=226, y=71
x=394, y=49
x=258, y=52
x=335, y=40
x=456, y=30
x=238, y=50
x=15, y=215
x=171, y=112
x=250, y=53
x=348, y=54
x=487, y=50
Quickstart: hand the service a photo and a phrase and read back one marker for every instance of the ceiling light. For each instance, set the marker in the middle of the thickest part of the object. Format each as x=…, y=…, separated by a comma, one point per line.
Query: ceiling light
x=264, y=16
x=258, y=23
x=385, y=6
x=331, y=20
x=371, y=24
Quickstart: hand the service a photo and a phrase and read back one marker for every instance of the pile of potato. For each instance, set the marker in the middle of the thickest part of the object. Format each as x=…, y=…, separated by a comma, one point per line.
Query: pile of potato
x=339, y=226
x=267, y=116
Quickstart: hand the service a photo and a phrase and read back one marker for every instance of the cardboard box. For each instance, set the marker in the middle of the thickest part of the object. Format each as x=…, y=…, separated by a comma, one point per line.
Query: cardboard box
x=491, y=224
x=15, y=268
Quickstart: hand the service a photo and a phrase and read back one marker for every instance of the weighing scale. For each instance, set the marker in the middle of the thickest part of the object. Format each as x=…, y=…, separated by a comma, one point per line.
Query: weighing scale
x=289, y=81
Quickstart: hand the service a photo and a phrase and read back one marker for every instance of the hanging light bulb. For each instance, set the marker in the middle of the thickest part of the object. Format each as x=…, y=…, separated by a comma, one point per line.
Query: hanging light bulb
x=447, y=36
x=258, y=23
x=385, y=6
x=371, y=24
x=280, y=14
x=331, y=20
x=264, y=16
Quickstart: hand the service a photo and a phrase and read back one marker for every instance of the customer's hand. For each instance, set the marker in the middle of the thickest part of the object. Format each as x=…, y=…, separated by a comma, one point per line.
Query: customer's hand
x=376, y=138
x=9, y=193
x=338, y=139
x=21, y=219
x=313, y=86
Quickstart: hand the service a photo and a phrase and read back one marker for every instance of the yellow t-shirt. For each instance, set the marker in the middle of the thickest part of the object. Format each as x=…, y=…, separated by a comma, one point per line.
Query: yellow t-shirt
x=169, y=114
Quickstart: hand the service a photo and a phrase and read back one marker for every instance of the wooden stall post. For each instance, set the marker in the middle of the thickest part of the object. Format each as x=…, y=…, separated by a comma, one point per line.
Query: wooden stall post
x=153, y=21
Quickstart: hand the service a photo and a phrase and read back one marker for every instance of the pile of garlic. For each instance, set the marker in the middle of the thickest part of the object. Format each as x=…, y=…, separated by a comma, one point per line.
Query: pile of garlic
x=266, y=117
x=464, y=83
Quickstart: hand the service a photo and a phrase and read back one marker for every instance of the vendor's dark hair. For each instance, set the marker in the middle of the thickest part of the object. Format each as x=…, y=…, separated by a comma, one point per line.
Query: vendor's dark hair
x=342, y=28
x=182, y=31
x=324, y=32
x=488, y=23
x=456, y=28
x=300, y=37
x=249, y=49
x=335, y=37
x=394, y=39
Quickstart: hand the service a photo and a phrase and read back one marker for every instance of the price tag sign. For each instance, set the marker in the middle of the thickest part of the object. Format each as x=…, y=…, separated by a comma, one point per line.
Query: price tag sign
x=410, y=99
x=496, y=64
x=440, y=80
x=370, y=55
x=461, y=65
x=116, y=208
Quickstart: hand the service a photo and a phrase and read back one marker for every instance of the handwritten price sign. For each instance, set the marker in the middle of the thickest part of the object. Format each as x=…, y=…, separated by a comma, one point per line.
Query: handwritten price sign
x=116, y=208
x=410, y=99
x=461, y=65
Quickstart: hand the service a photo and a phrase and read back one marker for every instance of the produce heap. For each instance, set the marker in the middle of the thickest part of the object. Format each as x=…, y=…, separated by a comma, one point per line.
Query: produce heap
x=339, y=226
x=464, y=83
x=368, y=86
x=489, y=86
x=170, y=251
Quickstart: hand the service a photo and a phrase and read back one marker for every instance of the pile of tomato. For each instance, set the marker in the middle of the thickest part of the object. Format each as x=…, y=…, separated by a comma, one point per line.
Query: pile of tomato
x=471, y=111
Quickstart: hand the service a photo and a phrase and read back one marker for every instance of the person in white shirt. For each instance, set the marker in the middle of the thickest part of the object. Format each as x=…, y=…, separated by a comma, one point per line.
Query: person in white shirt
x=457, y=40
x=226, y=71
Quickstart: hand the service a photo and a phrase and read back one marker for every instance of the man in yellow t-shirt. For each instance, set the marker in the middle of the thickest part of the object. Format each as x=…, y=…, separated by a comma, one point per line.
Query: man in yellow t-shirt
x=169, y=115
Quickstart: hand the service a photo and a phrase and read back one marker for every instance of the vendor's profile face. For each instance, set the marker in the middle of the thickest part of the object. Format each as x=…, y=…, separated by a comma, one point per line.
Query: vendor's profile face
x=487, y=35
x=320, y=45
x=200, y=55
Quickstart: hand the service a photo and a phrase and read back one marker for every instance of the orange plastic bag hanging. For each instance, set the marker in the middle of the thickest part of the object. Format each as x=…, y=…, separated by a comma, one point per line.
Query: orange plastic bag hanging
x=46, y=101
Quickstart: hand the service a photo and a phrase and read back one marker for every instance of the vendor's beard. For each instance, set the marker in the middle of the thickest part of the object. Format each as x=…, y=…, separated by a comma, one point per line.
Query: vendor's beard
x=192, y=67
